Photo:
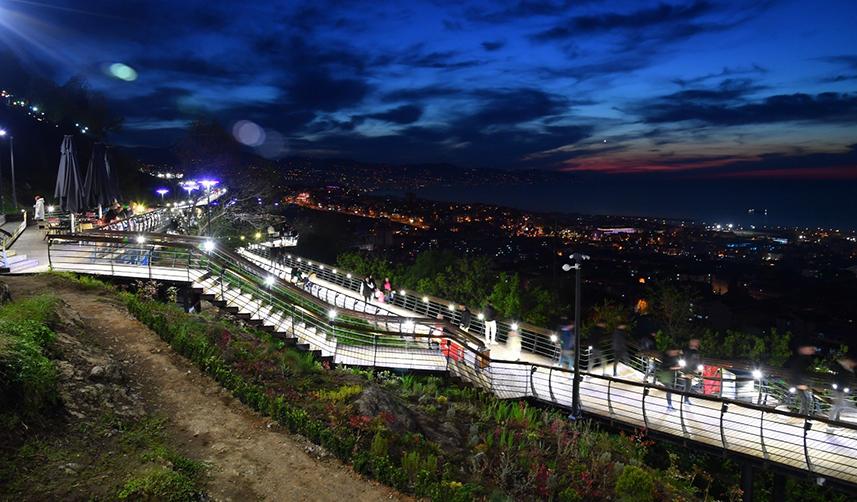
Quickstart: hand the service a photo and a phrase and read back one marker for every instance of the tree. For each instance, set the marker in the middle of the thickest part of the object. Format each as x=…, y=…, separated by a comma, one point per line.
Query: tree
x=609, y=314
x=506, y=295
x=673, y=308
x=541, y=306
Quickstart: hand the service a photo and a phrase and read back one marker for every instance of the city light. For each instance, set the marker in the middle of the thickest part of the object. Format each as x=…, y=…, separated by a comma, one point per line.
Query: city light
x=2, y=132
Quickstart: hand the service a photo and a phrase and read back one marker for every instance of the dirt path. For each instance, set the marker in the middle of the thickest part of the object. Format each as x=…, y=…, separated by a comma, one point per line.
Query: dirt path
x=252, y=459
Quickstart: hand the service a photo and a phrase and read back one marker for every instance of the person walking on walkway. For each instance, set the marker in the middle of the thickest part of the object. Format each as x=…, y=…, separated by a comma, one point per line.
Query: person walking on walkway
x=843, y=379
x=367, y=288
x=465, y=319
x=666, y=373
x=566, y=343
x=490, y=325
x=620, y=347
x=513, y=344
x=596, y=340
x=388, y=290
x=39, y=208
x=692, y=365
x=799, y=365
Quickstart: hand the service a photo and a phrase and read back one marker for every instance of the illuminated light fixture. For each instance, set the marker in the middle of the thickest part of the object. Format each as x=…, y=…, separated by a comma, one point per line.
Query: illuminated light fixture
x=208, y=246
x=51, y=209
x=348, y=276
x=700, y=368
x=425, y=299
x=451, y=307
x=792, y=390
x=481, y=316
x=402, y=292
x=257, y=235
x=757, y=374
x=590, y=348
x=408, y=325
x=682, y=363
x=140, y=239
x=835, y=386
x=334, y=271
x=331, y=314
x=554, y=338
x=515, y=327
x=846, y=390
x=242, y=237
x=269, y=281
x=299, y=260
x=208, y=183
x=290, y=257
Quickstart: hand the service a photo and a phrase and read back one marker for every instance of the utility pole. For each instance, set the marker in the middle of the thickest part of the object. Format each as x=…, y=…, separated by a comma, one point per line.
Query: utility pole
x=575, y=386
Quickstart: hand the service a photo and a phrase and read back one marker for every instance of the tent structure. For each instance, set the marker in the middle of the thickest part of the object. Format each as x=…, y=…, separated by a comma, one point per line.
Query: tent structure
x=100, y=187
x=69, y=189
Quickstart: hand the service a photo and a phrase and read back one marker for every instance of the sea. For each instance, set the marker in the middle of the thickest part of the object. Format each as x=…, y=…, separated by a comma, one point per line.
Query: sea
x=788, y=203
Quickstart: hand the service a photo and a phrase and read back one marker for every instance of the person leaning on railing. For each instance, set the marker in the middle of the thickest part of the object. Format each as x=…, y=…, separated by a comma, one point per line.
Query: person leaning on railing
x=667, y=372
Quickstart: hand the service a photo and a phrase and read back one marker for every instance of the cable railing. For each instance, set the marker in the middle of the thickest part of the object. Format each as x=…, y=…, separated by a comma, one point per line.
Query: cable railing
x=352, y=337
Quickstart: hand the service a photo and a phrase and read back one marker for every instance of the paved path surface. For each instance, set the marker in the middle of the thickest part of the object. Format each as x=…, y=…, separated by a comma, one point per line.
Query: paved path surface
x=32, y=243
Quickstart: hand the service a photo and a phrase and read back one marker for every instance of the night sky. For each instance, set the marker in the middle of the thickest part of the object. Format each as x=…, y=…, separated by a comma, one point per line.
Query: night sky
x=708, y=89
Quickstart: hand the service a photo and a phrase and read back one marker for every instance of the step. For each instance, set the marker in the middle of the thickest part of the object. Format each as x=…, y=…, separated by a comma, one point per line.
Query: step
x=15, y=258
x=20, y=266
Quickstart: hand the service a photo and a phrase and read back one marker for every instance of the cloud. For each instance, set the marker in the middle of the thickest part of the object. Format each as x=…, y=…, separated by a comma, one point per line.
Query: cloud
x=493, y=46
x=717, y=110
x=514, y=106
x=405, y=114
x=677, y=16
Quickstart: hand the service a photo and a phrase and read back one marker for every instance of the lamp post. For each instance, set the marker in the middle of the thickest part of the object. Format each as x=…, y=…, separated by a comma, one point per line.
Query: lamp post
x=575, y=386
x=3, y=133
x=162, y=192
x=208, y=184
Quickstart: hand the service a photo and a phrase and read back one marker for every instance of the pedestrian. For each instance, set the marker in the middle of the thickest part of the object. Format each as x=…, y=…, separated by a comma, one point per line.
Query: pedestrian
x=513, y=344
x=666, y=373
x=648, y=352
x=798, y=366
x=39, y=208
x=388, y=290
x=465, y=319
x=692, y=365
x=596, y=340
x=566, y=343
x=490, y=315
x=366, y=288
x=843, y=378
x=620, y=347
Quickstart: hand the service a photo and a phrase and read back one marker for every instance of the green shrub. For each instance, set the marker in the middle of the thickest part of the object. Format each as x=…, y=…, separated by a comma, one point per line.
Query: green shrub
x=28, y=379
x=341, y=394
x=635, y=484
x=160, y=483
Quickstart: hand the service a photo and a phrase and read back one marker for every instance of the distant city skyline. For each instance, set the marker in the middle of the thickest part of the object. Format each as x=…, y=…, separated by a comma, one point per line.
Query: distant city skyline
x=690, y=89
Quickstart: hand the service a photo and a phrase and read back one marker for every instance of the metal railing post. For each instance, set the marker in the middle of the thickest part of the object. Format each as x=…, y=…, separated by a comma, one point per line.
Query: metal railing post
x=609, y=397
x=724, y=407
x=807, y=426
x=643, y=405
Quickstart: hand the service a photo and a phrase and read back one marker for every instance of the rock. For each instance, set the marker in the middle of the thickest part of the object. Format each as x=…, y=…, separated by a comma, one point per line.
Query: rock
x=375, y=400
x=5, y=294
x=97, y=372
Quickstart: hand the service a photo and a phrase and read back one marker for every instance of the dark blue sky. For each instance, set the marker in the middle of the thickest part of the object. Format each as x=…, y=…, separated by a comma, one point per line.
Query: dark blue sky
x=693, y=88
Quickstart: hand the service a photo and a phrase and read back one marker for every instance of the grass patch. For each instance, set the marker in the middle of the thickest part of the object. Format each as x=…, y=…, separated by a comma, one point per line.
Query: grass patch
x=28, y=378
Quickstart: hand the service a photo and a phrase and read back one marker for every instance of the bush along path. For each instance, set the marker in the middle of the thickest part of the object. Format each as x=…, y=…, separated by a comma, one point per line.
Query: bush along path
x=140, y=447
x=421, y=435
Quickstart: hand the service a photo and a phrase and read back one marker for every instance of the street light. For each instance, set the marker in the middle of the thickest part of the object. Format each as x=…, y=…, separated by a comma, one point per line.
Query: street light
x=208, y=184
x=578, y=258
x=3, y=133
x=162, y=192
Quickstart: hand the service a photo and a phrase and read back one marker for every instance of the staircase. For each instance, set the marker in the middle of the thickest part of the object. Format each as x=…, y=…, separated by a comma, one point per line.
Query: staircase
x=265, y=317
x=16, y=263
